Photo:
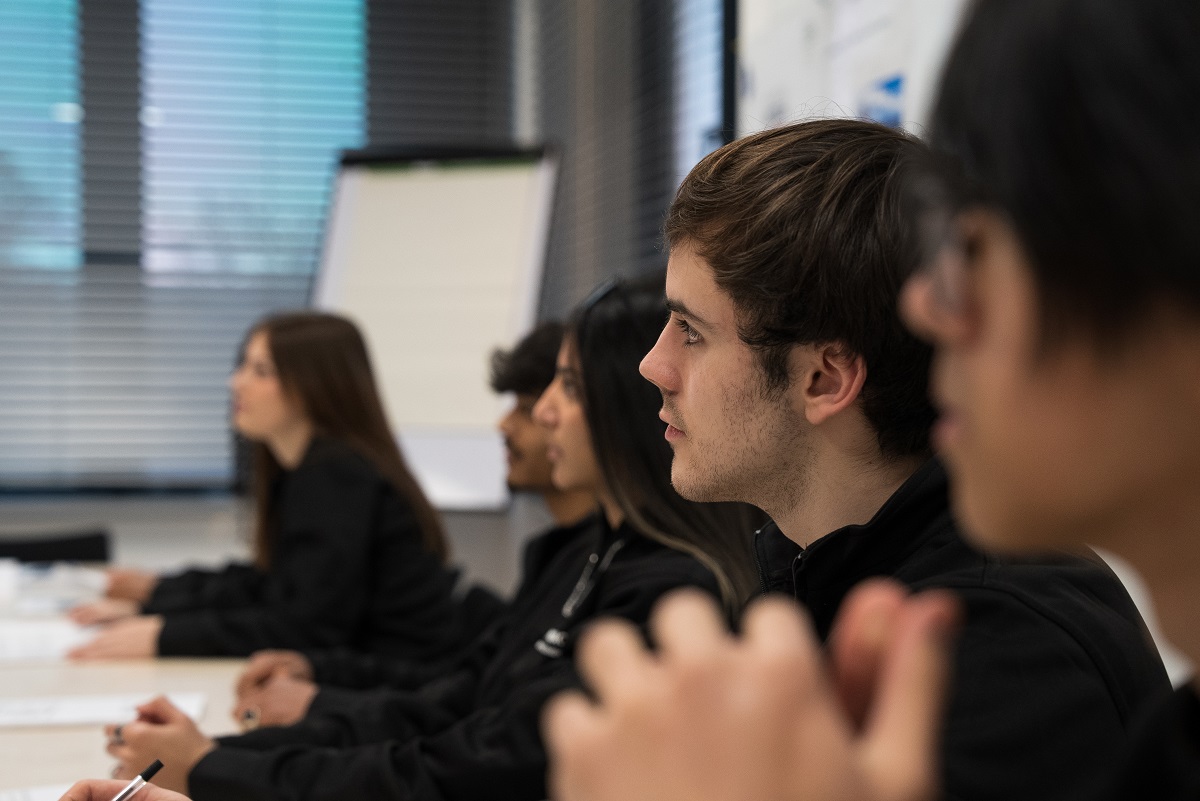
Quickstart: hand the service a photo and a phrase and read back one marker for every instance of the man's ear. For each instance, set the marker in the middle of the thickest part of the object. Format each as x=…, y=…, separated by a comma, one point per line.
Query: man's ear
x=831, y=377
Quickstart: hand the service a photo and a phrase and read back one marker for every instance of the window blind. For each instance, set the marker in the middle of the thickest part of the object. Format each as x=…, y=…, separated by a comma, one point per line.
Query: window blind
x=211, y=130
x=630, y=91
x=39, y=135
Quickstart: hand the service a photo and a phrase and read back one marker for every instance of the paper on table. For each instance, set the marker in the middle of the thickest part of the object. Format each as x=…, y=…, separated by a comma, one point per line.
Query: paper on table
x=28, y=640
x=78, y=710
x=56, y=587
x=47, y=792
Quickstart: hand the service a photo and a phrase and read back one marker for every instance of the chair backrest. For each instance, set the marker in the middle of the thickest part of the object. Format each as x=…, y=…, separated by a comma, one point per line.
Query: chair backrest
x=91, y=545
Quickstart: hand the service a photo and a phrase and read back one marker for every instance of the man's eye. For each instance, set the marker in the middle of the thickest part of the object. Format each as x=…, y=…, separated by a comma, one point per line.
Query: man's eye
x=690, y=334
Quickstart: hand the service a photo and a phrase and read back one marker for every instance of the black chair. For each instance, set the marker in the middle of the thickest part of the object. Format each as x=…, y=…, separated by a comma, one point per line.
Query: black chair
x=91, y=545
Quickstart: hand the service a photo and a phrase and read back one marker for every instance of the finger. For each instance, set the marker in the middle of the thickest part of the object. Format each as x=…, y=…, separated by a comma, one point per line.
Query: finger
x=122, y=751
x=94, y=790
x=687, y=625
x=254, y=675
x=788, y=657
x=93, y=649
x=859, y=638
x=160, y=710
x=249, y=701
x=611, y=655
x=280, y=675
x=903, y=729
x=570, y=726
x=777, y=622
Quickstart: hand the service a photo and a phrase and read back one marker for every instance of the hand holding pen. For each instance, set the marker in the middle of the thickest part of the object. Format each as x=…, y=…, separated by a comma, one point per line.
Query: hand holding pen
x=114, y=790
x=139, y=781
x=161, y=731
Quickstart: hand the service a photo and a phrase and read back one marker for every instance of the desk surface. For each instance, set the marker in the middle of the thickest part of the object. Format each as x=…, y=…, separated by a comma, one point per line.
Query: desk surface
x=36, y=756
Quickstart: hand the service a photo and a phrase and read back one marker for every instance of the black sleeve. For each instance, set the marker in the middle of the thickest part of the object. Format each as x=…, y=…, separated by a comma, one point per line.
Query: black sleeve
x=315, y=593
x=491, y=751
x=344, y=668
x=232, y=586
x=1031, y=714
x=356, y=670
x=346, y=718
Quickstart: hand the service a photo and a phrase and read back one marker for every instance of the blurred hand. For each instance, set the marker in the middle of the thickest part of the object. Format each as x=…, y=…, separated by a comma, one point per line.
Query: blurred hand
x=130, y=585
x=131, y=638
x=105, y=789
x=281, y=700
x=105, y=610
x=264, y=664
x=711, y=717
x=161, y=731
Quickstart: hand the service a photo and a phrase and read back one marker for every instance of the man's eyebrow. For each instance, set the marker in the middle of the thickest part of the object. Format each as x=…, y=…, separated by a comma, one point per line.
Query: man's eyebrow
x=678, y=307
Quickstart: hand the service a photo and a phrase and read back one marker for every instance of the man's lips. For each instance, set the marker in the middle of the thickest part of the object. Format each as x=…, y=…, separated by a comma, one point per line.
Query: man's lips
x=673, y=432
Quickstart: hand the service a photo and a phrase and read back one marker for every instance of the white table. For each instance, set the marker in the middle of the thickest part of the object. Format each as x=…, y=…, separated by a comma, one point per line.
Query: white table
x=37, y=756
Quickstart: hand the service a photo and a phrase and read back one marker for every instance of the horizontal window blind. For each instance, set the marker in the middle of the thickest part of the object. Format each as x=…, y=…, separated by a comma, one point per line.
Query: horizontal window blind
x=116, y=381
x=209, y=137
x=245, y=105
x=39, y=135
x=630, y=91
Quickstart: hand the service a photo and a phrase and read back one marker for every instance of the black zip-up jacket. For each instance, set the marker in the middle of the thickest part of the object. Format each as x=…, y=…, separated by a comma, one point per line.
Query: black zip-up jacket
x=472, y=734
x=357, y=670
x=349, y=569
x=1162, y=761
x=1052, y=663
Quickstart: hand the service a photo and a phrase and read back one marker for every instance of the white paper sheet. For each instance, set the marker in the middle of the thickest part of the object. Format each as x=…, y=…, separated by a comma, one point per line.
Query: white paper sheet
x=79, y=710
x=47, y=792
x=33, y=639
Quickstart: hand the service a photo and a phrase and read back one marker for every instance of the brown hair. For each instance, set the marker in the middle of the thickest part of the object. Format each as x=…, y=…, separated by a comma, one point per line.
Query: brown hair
x=322, y=363
x=803, y=227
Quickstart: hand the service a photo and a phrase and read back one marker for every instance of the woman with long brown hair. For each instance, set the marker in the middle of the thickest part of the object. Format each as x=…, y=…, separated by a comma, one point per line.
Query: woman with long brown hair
x=347, y=550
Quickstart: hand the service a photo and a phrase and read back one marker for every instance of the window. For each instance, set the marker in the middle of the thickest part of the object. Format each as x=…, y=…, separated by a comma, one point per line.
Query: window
x=115, y=362
x=39, y=135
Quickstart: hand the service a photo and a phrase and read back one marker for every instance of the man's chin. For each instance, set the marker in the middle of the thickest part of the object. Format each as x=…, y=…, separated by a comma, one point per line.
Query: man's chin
x=688, y=486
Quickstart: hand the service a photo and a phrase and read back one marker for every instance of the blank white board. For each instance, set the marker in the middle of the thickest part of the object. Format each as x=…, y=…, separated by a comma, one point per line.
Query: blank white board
x=439, y=260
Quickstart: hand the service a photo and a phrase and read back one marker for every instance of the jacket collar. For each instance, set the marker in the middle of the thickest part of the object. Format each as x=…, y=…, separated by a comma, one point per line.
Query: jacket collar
x=821, y=574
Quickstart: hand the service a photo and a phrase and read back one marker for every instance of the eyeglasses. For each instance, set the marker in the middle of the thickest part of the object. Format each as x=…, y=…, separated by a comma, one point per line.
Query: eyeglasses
x=942, y=250
x=943, y=260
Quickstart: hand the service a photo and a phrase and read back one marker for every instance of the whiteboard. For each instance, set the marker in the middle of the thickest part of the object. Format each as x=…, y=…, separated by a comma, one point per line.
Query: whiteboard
x=439, y=260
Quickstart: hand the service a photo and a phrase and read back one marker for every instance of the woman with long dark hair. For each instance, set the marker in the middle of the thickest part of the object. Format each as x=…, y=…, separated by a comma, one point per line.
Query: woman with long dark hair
x=473, y=732
x=347, y=549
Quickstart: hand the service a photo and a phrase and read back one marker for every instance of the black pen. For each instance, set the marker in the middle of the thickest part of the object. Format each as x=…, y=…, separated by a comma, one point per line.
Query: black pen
x=138, y=782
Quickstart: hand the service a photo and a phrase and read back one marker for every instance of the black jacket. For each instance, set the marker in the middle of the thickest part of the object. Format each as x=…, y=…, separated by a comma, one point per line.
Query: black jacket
x=472, y=734
x=349, y=569
x=1053, y=661
x=357, y=670
x=1162, y=761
